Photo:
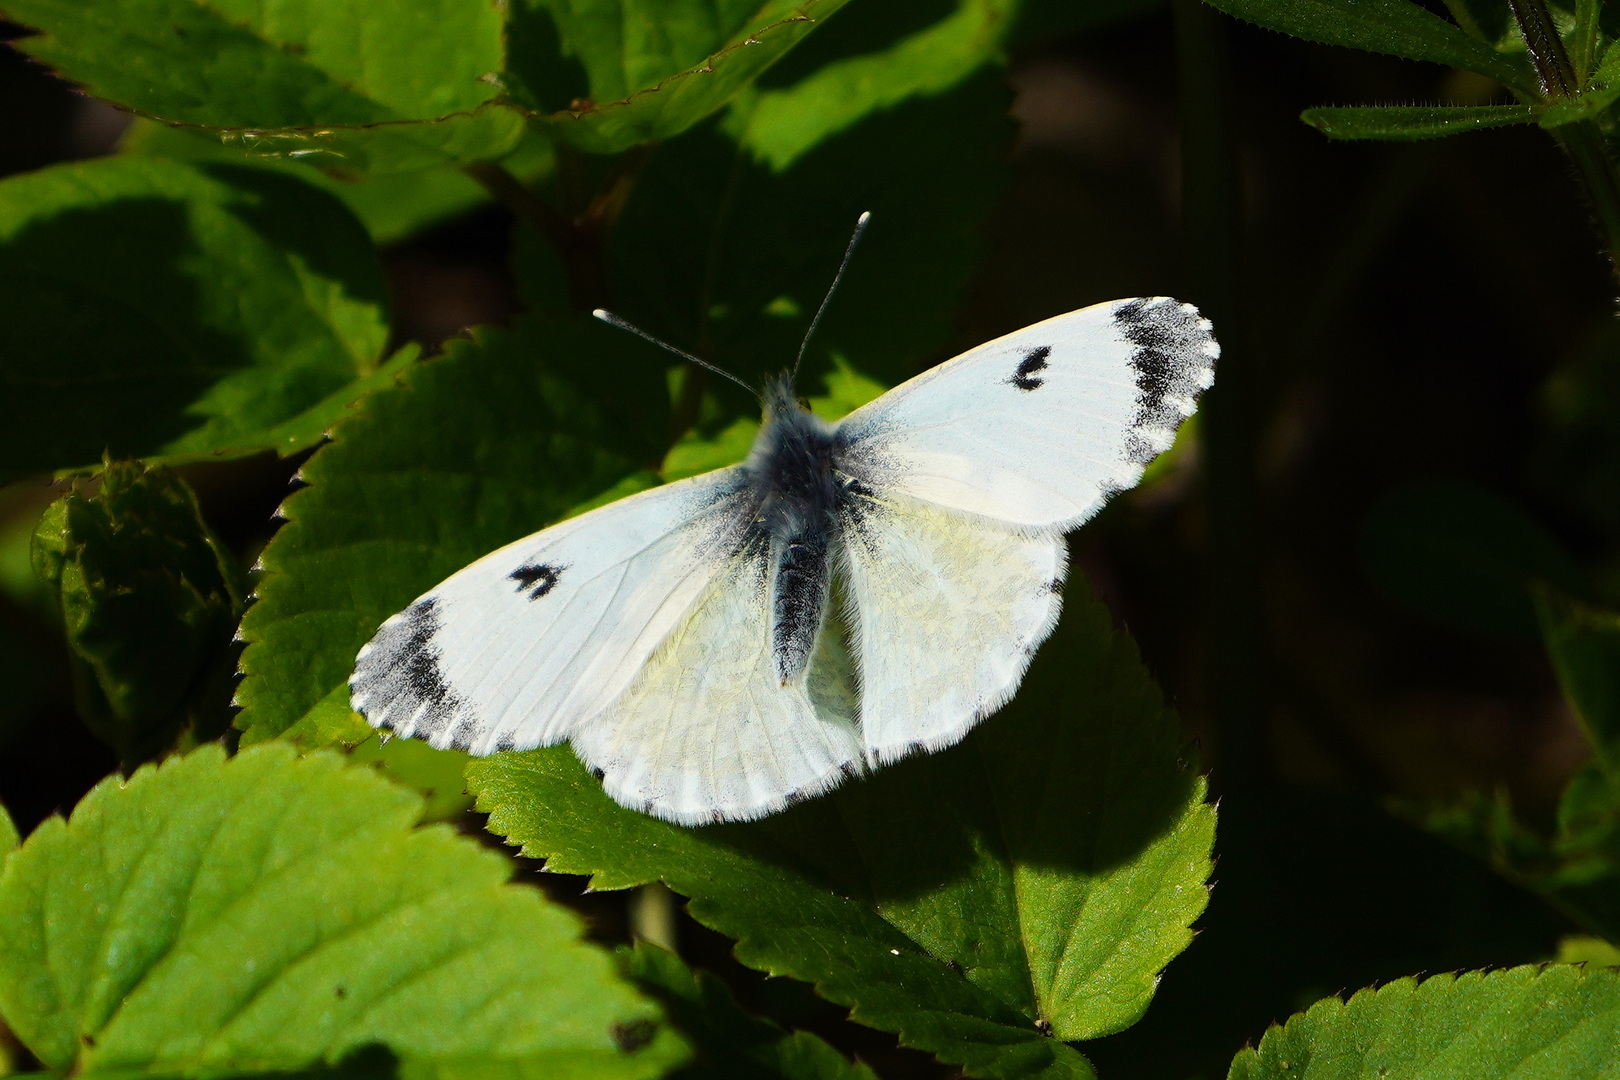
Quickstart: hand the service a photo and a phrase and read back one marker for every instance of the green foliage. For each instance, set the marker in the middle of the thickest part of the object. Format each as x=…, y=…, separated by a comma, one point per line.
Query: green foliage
x=148, y=602
x=727, y=1041
x=1396, y=27
x=179, y=312
x=1578, y=867
x=1462, y=556
x=1413, y=123
x=264, y=914
x=355, y=86
x=777, y=125
x=1529, y=1021
x=213, y=291
x=1044, y=893
x=647, y=76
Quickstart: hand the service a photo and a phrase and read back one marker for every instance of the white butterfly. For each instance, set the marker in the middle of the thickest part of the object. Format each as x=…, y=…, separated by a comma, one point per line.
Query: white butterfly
x=722, y=646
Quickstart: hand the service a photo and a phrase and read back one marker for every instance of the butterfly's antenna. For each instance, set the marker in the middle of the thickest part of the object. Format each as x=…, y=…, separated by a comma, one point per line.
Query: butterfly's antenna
x=613, y=320
x=860, y=227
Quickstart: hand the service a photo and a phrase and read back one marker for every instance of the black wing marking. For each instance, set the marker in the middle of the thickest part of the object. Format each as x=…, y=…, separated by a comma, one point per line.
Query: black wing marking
x=1173, y=361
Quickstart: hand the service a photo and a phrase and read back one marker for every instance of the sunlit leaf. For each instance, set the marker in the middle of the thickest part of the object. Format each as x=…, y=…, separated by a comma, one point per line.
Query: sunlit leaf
x=269, y=913
x=1529, y=1021
x=648, y=70
x=358, y=85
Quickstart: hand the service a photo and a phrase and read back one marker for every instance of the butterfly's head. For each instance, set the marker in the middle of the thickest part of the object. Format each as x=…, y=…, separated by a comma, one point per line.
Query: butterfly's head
x=781, y=398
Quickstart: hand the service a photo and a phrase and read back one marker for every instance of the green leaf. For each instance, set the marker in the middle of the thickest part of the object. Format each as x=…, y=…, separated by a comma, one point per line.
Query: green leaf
x=1410, y=123
x=505, y=434
x=1395, y=27
x=9, y=836
x=1035, y=878
x=148, y=600
x=1528, y=1021
x=270, y=913
x=777, y=126
x=357, y=86
x=161, y=310
x=651, y=68
x=728, y=1042
x=1463, y=556
x=1584, y=645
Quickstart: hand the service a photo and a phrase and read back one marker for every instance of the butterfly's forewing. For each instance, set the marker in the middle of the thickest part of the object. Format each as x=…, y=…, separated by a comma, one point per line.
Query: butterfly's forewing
x=521, y=647
x=946, y=609
x=1039, y=427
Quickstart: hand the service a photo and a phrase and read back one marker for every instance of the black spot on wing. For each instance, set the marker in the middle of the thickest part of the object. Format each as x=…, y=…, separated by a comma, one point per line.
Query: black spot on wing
x=1033, y=361
x=1173, y=361
x=538, y=579
x=399, y=678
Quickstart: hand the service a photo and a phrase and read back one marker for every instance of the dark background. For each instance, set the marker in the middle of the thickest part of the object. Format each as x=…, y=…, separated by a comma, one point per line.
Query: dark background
x=1401, y=309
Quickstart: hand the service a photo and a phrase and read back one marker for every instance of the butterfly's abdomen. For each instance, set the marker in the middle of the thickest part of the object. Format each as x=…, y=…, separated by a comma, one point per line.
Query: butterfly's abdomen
x=798, y=511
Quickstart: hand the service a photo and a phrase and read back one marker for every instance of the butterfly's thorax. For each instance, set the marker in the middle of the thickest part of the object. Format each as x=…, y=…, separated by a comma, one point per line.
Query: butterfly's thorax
x=793, y=469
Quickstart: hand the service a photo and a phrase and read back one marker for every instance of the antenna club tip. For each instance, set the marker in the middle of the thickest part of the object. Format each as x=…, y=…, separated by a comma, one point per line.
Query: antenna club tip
x=866, y=215
x=601, y=313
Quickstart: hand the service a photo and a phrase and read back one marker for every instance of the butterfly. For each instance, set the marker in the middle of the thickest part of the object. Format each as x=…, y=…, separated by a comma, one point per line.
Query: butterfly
x=725, y=645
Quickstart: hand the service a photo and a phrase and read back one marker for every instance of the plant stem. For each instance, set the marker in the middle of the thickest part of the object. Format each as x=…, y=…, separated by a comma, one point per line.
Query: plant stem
x=578, y=237
x=1583, y=141
x=1211, y=226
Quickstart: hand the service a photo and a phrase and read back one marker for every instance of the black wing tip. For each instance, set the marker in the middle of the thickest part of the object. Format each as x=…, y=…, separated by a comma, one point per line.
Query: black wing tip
x=1173, y=358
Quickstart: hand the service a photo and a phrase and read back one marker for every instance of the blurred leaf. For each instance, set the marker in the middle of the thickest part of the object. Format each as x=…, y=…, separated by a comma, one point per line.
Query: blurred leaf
x=1039, y=22
x=9, y=836
x=650, y=69
x=1579, y=459
x=1033, y=879
x=161, y=310
x=149, y=601
x=1413, y=123
x=1527, y=1021
x=354, y=85
x=1462, y=556
x=505, y=434
x=728, y=1042
x=1395, y=27
x=778, y=126
x=734, y=270
x=1491, y=21
x=269, y=913
x=1577, y=869
x=1584, y=645
x=1575, y=949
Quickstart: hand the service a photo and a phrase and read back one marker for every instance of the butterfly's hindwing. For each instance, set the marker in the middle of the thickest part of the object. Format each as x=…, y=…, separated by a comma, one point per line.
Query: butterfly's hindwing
x=947, y=610
x=708, y=729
